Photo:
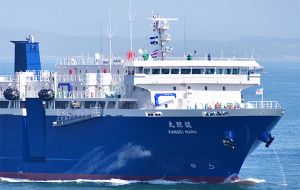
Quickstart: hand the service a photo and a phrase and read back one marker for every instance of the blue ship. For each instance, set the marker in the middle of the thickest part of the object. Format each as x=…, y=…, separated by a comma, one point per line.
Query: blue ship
x=146, y=117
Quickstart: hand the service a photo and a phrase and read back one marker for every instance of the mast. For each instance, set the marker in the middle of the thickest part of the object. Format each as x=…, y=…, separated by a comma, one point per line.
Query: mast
x=110, y=39
x=160, y=27
x=130, y=18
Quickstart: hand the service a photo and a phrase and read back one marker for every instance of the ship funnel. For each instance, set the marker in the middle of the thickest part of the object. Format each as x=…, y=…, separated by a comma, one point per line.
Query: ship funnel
x=228, y=140
x=267, y=138
x=27, y=55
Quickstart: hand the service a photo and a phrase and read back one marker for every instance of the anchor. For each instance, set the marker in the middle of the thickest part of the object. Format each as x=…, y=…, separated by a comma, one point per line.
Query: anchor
x=228, y=140
x=267, y=138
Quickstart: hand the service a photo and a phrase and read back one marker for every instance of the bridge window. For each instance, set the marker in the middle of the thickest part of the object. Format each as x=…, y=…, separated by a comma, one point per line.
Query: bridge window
x=155, y=71
x=147, y=71
x=235, y=71
x=205, y=88
x=138, y=70
x=219, y=71
x=209, y=71
x=174, y=88
x=228, y=71
x=244, y=71
x=165, y=71
x=224, y=88
x=197, y=71
x=174, y=71
x=185, y=71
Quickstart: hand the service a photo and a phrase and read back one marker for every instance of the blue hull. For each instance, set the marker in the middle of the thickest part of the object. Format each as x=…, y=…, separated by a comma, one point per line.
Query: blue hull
x=140, y=148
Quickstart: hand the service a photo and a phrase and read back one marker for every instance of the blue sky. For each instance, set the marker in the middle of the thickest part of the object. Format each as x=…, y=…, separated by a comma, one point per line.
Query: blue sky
x=205, y=19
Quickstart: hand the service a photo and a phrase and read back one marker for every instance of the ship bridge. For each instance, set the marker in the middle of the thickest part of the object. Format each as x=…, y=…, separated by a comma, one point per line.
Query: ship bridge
x=195, y=81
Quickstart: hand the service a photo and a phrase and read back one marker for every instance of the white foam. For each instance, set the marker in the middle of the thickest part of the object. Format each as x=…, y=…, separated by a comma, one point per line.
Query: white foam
x=110, y=181
x=256, y=180
x=249, y=181
x=168, y=182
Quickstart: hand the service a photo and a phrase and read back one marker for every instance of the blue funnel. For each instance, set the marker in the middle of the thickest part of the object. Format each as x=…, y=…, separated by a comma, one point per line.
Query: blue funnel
x=27, y=56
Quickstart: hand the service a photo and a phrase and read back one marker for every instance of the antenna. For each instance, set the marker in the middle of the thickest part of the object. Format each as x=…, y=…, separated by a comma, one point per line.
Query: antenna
x=101, y=36
x=110, y=35
x=184, y=31
x=252, y=54
x=184, y=35
x=130, y=18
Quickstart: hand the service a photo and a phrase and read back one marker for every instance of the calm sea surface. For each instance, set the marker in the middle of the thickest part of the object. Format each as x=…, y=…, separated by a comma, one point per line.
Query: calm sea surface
x=277, y=167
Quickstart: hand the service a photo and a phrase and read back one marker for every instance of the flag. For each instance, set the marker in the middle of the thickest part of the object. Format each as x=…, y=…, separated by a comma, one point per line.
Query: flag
x=154, y=54
x=153, y=40
x=260, y=91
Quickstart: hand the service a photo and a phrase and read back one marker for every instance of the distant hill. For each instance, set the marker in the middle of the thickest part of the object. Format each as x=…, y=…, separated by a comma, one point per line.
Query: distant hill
x=57, y=45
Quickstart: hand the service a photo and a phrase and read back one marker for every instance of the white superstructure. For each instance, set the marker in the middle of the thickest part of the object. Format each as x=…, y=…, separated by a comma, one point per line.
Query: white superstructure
x=156, y=82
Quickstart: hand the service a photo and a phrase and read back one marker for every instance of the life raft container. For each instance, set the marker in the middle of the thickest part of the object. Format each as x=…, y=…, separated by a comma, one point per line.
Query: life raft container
x=46, y=94
x=11, y=94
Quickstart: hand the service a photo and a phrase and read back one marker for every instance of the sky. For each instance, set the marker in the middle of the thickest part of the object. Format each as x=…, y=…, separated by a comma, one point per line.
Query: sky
x=203, y=19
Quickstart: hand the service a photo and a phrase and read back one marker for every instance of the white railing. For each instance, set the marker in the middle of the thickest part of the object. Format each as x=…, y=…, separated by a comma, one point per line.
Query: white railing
x=75, y=95
x=65, y=117
x=197, y=59
x=70, y=78
x=7, y=78
x=215, y=79
x=263, y=104
x=86, y=60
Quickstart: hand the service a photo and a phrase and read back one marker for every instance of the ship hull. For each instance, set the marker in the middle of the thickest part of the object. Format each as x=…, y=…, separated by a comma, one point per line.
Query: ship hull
x=130, y=148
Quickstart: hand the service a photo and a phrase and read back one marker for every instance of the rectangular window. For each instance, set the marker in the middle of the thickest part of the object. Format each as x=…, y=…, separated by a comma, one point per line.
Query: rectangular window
x=197, y=71
x=127, y=105
x=155, y=71
x=235, y=71
x=219, y=71
x=147, y=71
x=22, y=104
x=209, y=71
x=244, y=71
x=61, y=104
x=185, y=71
x=89, y=104
x=174, y=71
x=4, y=104
x=228, y=71
x=165, y=71
x=138, y=70
x=101, y=104
x=111, y=105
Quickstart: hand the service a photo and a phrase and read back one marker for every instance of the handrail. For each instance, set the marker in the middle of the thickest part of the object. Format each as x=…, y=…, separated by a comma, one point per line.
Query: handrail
x=197, y=59
x=263, y=104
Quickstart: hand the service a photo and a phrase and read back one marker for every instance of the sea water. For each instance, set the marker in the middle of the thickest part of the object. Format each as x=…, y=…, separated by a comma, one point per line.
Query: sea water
x=277, y=167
